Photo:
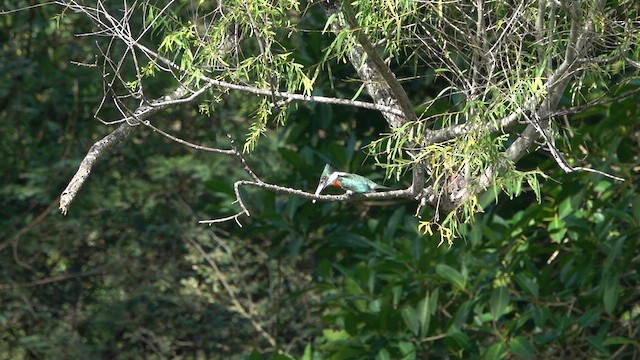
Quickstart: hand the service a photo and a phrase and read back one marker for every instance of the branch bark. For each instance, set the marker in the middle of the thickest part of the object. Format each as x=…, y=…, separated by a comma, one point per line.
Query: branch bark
x=380, y=81
x=108, y=142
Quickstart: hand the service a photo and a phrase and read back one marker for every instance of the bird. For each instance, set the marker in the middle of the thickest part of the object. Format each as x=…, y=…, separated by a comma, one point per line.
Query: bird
x=351, y=183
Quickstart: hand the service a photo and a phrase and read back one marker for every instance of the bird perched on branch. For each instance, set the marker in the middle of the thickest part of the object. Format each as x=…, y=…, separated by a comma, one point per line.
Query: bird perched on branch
x=351, y=183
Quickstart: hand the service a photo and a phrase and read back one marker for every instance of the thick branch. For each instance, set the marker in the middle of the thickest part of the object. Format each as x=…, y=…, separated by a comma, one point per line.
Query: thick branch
x=309, y=98
x=111, y=140
x=374, y=61
x=381, y=84
x=578, y=43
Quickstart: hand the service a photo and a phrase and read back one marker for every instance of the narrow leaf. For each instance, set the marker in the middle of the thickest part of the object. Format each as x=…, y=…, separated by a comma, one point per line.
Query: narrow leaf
x=423, y=315
x=610, y=294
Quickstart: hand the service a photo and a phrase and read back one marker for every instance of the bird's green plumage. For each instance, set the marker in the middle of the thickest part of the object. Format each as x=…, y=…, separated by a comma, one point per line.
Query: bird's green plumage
x=358, y=184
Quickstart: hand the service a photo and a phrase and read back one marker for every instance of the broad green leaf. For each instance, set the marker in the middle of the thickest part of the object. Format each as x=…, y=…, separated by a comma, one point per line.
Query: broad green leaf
x=590, y=317
x=499, y=302
x=334, y=335
x=396, y=295
x=557, y=229
x=635, y=209
x=565, y=208
x=527, y=284
x=495, y=352
x=619, y=340
x=408, y=350
x=308, y=353
x=597, y=342
x=452, y=275
x=460, y=338
x=411, y=319
x=433, y=301
x=383, y=354
x=520, y=347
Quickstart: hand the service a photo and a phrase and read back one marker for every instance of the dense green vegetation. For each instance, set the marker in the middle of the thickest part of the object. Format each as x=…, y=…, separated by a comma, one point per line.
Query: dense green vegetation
x=129, y=272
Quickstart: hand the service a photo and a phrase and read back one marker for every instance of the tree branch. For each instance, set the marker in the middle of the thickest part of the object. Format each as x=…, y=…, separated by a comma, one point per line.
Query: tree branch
x=382, y=70
x=371, y=68
x=239, y=308
x=382, y=85
x=577, y=44
x=54, y=279
x=111, y=140
x=393, y=194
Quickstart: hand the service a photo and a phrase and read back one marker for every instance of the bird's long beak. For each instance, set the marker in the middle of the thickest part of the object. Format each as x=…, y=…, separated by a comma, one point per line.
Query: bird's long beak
x=321, y=186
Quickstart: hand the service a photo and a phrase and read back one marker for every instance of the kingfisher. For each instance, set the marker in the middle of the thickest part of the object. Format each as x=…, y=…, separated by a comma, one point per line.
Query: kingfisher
x=351, y=183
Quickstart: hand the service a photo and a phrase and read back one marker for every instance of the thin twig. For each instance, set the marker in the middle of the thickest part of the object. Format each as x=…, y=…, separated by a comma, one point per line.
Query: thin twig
x=50, y=280
x=393, y=194
x=242, y=161
x=238, y=307
x=560, y=160
x=186, y=143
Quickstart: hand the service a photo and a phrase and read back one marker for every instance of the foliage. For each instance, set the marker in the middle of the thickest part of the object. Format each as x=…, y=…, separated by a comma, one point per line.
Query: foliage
x=475, y=76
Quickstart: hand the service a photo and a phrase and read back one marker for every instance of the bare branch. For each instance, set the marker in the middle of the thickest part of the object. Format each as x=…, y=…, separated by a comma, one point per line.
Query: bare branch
x=577, y=44
x=308, y=98
x=111, y=140
x=393, y=194
x=28, y=7
x=560, y=160
x=242, y=160
x=238, y=307
x=380, y=81
x=54, y=279
x=601, y=101
x=38, y=219
x=186, y=143
x=377, y=68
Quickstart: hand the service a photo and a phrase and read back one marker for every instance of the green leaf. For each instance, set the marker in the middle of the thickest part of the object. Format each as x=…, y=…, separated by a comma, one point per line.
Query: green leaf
x=619, y=340
x=396, y=295
x=407, y=349
x=495, y=352
x=565, y=208
x=424, y=315
x=635, y=209
x=460, y=338
x=597, y=343
x=590, y=317
x=383, y=354
x=611, y=293
x=433, y=301
x=308, y=353
x=392, y=224
x=520, y=347
x=557, y=229
x=499, y=302
x=527, y=284
x=281, y=357
x=452, y=275
x=410, y=317
x=334, y=335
